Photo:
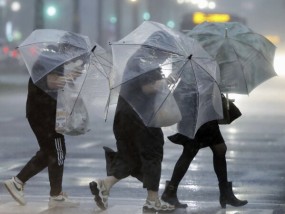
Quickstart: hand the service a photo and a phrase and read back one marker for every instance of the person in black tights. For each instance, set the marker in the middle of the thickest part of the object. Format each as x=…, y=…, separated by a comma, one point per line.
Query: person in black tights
x=208, y=135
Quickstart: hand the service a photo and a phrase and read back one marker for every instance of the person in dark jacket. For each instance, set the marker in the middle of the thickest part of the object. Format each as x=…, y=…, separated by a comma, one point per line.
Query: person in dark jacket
x=208, y=135
x=41, y=114
x=140, y=148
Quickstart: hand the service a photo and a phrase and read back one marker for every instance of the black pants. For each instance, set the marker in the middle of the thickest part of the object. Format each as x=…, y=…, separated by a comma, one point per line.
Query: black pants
x=140, y=151
x=51, y=154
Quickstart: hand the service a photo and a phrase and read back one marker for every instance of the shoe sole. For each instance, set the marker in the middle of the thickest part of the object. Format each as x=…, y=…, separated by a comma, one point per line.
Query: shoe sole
x=60, y=204
x=174, y=202
x=152, y=210
x=14, y=196
x=95, y=191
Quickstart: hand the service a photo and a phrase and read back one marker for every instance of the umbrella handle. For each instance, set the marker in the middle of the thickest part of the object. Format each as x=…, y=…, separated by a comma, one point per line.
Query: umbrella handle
x=228, y=102
x=107, y=107
x=93, y=49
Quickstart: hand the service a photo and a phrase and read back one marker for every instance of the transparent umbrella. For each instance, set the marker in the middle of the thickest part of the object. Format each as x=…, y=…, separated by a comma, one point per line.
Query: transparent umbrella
x=153, y=64
x=65, y=65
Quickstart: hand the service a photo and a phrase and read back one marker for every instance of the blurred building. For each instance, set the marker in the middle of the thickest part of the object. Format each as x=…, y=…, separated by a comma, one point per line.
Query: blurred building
x=105, y=21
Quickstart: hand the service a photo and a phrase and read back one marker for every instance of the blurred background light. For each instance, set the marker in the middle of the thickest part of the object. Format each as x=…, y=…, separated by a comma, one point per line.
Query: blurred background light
x=15, y=6
x=113, y=19
x=51, y=10
x=9, y=31
x=146, y=16
x=200, y=4
x=171, y=24
x=279, y=64
x=199, y=17
x=212, y=5
x=2, y=3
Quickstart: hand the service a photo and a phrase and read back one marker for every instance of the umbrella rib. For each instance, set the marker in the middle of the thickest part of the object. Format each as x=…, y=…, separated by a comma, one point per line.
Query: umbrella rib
x=196, y=119
x=193, y=34
x=79, y=92
x=69, y=60
x=108, y=63
x=34, y=43
x=129, y=80
x=152, y=47
x=247, y=44
x=241, y=68
x=135, y=77
x=161, y=27
x=204, y=69
x=258, y=52
x=105, y=65
x=191, y=62
x=170, y=91
x=100, y=70
x=103, y=59
x=65, y=62
x=88, y=70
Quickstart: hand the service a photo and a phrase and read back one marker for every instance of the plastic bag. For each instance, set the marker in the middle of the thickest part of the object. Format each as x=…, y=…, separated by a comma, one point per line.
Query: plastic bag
x=71, y=114
x=168, y=111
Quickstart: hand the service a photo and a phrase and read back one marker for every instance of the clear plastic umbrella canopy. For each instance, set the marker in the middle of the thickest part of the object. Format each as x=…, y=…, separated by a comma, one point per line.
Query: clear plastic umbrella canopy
x=67, y=55
x=245, y=57
x=52, y=48
x=169, y=64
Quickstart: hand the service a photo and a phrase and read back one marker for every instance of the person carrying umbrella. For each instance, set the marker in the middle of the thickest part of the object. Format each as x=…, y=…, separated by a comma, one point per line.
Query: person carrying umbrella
x=140, y=148
x=208, y=135
x=41, y=114
x=246, y=60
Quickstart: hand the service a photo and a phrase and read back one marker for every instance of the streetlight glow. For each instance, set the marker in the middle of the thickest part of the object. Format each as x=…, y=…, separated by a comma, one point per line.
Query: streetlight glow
x=201, y=4
x=51, y=11
x=171, y=24
x=146, y=16
x=15, y=6
x=113, y=19
x=2, y=3
x=212, y=5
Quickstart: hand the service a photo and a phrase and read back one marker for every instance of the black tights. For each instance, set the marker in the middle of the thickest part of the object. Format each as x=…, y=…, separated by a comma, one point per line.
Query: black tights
x=188, y=154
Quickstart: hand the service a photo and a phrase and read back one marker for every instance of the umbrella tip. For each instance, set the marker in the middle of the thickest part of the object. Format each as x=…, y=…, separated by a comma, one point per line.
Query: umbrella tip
x=93, y=49
x=189, y=57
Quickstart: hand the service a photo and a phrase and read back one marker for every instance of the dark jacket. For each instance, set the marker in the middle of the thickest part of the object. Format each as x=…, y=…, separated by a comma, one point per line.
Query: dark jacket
x=41, y=101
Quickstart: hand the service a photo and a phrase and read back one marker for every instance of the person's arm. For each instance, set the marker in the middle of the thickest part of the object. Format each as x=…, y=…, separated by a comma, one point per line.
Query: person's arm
x=152, y=81
x=154, y=86
x=55, y=81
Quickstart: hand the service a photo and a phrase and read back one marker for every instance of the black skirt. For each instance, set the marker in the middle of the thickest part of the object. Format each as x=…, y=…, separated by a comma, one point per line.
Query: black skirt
x=209, y=134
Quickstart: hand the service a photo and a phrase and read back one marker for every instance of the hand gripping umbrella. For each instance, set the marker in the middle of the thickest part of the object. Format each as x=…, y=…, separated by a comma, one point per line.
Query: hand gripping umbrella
x=64, y=63
x=153, y=64
x=245, y=57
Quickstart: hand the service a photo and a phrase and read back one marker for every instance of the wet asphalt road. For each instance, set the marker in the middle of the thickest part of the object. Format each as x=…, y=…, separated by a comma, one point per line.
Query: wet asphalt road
x=256, y=160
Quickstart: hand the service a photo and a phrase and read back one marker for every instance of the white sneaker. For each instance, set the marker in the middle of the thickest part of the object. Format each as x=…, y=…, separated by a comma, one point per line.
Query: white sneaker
x=158, y=206
x=62, y=200
x=16, y=190
x=100, y=192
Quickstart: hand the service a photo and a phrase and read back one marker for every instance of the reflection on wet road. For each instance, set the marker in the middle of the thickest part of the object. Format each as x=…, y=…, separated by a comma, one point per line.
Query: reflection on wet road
x=256, y=145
